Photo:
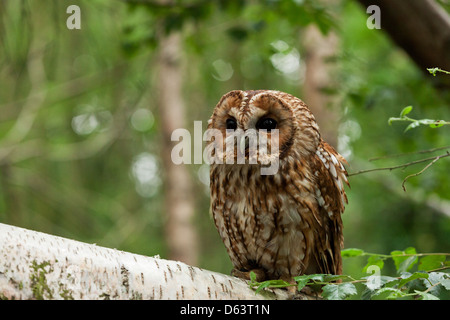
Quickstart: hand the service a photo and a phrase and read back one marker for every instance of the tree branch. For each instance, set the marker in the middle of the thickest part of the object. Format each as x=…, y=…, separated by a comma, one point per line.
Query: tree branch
x=434, y=159
x=409, y=153
x=421, y=171
x=415, y=195
x=421, y=28
x=35, y=265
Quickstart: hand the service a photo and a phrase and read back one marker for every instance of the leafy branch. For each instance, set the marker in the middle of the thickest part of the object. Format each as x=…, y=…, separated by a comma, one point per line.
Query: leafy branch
x=427, y=282
x=433, y=71
x=414, y=122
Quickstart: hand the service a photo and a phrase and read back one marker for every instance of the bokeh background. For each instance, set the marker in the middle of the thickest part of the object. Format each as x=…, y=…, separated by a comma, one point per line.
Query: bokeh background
x=86, y=117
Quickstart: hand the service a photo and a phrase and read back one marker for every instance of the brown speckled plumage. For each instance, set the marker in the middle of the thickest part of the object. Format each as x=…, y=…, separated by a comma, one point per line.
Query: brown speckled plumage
x=288, y=223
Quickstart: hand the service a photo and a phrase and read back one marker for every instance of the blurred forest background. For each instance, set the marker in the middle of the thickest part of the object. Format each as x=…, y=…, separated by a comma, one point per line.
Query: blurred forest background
x=86, y=117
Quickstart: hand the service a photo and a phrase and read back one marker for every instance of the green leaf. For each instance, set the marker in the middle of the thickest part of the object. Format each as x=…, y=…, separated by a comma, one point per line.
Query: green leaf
x=437, y=124
x=301, y=283
x=279, y=284
x=374, y=260
x=407, y=264
x=351, y=252
x=315, y=276
x=376, y=282
x=338, y=291
x=388, y=293
x=446, y=284
x=426, y=296
x=407, y=277
x=302, y=277
x=303, y=280
x=431, y=262
x=438, y=284
x=402, y=259
x=335, y=277
x=263, y=285
x=270, y=283
x=412, y=125
x=252, y=276
x=439, y=277
x=306, y=279
x=405, y=111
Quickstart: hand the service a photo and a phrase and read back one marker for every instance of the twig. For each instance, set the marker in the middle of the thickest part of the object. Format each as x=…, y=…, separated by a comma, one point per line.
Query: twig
x=434, y=70
x=432, y=286
x=400, y=166
x=421, y=171
x=409, y=153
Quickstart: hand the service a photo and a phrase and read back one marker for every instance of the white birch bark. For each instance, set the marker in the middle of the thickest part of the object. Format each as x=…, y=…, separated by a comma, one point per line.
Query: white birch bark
x=34, y=265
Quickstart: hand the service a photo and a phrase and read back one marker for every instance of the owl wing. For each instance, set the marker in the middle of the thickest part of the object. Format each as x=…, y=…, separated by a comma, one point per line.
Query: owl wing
x=332, y=176
x=331, y=198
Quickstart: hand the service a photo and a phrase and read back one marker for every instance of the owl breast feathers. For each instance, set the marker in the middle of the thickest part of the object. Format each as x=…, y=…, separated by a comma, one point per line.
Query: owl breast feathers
x=287, y=223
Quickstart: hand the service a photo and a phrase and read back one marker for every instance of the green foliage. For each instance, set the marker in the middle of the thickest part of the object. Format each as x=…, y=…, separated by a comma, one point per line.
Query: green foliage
x=415, y=123
x=419, y=276
x=175, y=15
x=338, y=291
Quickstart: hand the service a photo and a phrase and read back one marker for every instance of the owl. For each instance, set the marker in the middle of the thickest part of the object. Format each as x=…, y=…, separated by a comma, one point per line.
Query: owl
x=288, y=222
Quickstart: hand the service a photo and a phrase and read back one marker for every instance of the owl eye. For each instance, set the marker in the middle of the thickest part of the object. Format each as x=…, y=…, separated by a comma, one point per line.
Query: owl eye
x=266, y=124
x=231, y=124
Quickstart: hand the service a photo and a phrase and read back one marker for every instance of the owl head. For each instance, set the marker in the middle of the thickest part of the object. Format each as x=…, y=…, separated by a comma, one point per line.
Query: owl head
x=261, y=126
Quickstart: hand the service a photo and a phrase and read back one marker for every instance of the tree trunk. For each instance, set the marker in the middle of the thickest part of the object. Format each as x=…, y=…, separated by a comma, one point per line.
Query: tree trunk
x=421, y=28
x=35, y=265
x=179, y=204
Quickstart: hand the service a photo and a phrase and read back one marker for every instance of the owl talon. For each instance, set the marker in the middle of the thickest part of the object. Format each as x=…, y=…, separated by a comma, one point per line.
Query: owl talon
x=243, y=274
x=308, y=291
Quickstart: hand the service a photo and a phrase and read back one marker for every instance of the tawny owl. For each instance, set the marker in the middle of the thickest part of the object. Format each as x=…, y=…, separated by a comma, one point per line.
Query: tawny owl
x=280, y=224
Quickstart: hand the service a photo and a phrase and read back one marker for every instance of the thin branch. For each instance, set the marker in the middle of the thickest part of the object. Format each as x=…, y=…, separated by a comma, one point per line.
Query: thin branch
x=434, y=70
x=409, y=153
x=416, y=195
x=405, y=165
x=421, y=171
x=439, y=269
x=29, y=112
x=432, y=286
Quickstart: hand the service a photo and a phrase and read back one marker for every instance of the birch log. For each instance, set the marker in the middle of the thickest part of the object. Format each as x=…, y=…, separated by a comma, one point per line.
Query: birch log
x=34, y=265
